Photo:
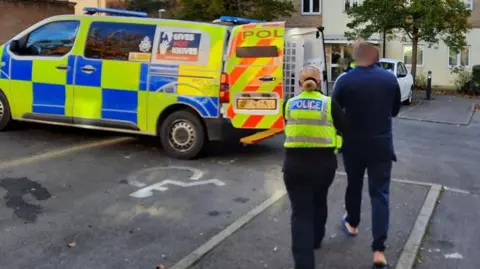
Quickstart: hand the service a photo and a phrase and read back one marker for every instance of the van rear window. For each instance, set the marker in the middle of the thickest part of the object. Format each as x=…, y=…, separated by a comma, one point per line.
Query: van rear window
x=257, y=52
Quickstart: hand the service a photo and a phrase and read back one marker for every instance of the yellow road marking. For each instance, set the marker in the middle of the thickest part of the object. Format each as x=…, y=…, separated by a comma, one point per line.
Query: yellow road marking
x=60, y=152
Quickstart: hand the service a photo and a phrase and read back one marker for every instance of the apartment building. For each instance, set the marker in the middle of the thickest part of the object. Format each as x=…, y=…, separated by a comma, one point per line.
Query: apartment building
x=439, y=58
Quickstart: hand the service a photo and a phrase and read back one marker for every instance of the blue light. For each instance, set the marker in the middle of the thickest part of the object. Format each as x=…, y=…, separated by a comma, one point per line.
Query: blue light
x=237, y=20
x=111, y=11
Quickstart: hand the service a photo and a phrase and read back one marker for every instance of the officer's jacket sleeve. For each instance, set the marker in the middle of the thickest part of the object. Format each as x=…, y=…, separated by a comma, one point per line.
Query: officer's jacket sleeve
x=285, y=109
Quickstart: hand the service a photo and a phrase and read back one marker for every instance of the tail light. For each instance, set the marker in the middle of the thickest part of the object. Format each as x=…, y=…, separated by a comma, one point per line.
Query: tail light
x=224, y=89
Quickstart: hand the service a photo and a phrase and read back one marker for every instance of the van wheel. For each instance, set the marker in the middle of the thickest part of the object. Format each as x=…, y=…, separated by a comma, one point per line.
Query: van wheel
x=182, y=135
x=409, y=99
x=5, y=114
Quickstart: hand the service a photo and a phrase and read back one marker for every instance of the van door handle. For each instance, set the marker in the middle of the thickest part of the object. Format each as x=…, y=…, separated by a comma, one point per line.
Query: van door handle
x=267, y=79
x=88, y=69
x=63, y=67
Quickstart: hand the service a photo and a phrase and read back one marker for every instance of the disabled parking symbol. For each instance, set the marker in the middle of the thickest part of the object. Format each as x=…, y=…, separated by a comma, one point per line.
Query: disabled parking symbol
x=156, y=173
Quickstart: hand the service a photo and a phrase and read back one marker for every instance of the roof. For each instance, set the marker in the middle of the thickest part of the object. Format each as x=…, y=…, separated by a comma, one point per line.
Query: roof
x=388, y=60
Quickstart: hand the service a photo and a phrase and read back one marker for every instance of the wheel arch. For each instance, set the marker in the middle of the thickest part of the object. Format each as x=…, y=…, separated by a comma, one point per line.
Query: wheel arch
x=177, y=107
x=2, y=92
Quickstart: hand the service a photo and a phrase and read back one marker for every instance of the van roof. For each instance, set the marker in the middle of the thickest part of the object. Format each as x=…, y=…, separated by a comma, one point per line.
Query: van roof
x=112, y=18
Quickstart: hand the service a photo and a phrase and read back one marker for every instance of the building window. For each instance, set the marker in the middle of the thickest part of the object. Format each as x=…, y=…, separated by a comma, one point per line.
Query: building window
x=469, y=4
x=350, y=3
x=119, y=41
x=311, y=7
x=407, y=55
x=459, y=58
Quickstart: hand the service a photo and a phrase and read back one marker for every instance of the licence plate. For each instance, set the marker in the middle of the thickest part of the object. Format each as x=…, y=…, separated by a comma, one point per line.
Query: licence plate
x=257, y=104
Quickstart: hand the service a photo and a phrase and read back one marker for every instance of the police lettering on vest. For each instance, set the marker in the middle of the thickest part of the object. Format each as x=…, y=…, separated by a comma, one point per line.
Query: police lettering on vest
x=306, y=104
x=310, y=123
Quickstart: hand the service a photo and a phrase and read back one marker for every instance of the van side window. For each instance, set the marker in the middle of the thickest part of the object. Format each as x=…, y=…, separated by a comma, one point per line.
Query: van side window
x=52, y=39
x=118, y=41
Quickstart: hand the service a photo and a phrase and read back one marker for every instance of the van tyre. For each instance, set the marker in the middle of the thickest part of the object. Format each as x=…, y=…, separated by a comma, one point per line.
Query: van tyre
x=5, y=114
x=182, y=135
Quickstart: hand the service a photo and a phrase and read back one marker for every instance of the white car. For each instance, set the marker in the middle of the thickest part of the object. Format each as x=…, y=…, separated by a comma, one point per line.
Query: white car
x=404, y=78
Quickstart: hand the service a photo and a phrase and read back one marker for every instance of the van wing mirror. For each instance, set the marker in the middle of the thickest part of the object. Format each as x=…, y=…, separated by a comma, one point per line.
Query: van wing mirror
x=18, y=45
x=14, y=46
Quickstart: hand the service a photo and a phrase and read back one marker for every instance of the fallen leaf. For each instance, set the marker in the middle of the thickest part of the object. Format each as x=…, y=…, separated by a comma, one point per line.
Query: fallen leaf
x=72, y=244
x=160, y=266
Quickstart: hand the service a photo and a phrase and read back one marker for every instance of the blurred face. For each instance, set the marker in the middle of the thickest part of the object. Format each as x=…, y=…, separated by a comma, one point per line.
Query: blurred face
x=366, y=53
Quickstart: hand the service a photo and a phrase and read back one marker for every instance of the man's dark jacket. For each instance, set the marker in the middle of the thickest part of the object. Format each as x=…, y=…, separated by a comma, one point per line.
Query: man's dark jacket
x=370, y=97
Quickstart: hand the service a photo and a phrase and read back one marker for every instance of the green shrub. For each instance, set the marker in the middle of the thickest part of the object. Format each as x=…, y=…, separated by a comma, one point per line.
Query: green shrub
x=421, y=81
x=462, y=79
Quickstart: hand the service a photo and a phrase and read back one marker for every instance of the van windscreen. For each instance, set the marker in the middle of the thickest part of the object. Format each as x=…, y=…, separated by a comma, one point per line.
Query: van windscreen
x=257, y=52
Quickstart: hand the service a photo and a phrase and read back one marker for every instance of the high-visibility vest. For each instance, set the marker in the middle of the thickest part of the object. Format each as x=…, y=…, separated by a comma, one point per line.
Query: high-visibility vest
x=353, y=64
x=310, y=123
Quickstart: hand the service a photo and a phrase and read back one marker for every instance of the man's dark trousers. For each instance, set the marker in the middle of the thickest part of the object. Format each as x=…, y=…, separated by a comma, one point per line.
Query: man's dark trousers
x=308, y=191
x=376, y=157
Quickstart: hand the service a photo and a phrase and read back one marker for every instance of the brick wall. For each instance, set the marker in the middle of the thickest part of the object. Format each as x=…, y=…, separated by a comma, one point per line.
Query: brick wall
x=299, y=20
x=17, y=17
x=475, y=18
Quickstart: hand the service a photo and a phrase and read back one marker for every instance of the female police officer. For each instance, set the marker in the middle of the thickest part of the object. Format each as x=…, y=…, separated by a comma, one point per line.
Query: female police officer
x=312, y=141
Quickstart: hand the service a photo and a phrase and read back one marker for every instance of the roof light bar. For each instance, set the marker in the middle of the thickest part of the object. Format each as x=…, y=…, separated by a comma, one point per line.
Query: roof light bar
x=237, y=20
x=114, y=12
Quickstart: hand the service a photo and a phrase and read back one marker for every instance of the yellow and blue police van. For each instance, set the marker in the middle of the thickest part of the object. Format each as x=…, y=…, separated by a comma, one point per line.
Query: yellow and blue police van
x=185, y=82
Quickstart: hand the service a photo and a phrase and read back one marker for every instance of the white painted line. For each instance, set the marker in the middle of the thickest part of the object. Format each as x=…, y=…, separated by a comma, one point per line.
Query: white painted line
x=191, y=258
x=398, y=180
x=457, y=190
x=410, y=251
x=60, y=152
x=161, y=186
x=421, y=183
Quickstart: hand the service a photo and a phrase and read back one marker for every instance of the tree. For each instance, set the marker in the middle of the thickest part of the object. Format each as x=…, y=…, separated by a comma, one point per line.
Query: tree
x=149, y=6
x=209, y=10
x=426, y=21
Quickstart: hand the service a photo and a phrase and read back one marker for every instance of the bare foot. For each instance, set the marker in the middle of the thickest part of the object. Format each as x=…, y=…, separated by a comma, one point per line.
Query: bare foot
x=379, y=258
x=351, y=230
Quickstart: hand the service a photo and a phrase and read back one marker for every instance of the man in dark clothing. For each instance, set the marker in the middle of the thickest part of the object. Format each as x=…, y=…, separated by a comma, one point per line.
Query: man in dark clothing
x=370, y=97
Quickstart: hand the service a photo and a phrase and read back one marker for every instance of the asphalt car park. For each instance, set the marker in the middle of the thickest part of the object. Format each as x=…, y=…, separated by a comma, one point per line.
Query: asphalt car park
x=77, y=210
x=80, y=199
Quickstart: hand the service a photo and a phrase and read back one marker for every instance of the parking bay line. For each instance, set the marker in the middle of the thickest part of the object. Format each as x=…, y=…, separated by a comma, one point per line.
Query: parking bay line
x=411, y=249
x=197, y=254
x=61, y=152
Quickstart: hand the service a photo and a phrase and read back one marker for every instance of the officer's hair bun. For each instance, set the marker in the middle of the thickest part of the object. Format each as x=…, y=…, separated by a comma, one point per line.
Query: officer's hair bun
x=309, y=85
x=310, y=76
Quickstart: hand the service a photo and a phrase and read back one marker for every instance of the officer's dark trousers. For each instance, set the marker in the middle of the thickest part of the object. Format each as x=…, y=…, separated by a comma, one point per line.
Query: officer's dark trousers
x=379, y=166
x=308, y=191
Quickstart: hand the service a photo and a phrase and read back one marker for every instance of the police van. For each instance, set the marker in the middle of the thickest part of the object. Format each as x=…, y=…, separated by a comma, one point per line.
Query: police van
x=186, y=82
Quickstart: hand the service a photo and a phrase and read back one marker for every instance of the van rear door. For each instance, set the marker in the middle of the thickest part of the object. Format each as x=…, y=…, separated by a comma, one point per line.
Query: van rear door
x=255, y=73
